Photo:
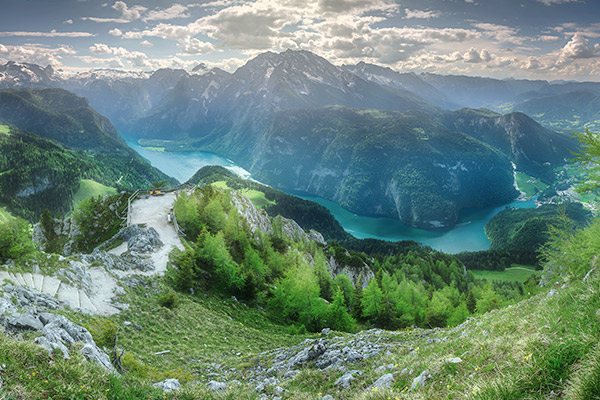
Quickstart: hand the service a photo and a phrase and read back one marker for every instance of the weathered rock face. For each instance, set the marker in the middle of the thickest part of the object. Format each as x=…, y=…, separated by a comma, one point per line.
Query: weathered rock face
x=66, y=228
x=58, y=333
x=324, y=354
x=358, y=275
x=141, y=240
x=76, y=274
x=259, y=220
x=129, y=261
x=13, y=298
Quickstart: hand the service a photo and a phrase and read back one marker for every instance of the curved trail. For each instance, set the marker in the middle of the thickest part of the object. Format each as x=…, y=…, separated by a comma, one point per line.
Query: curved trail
x=151, y=211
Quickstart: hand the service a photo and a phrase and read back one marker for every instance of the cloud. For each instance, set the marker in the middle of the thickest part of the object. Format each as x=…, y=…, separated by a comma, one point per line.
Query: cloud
x=100, y=48
x=195, y=46
x=421, y=14
x=175, y=11
x=113, y=20
x=473, y=56
x=165, y=31
x=36, y=54
x=69, y=21
x=113, y=62
x=556, y=2
x=135, y=58
x=547, y=38
x=127, y=13
x=146, y=43
x=579, y=47
x=115, y=32
x=52, y=33
x=501, y=33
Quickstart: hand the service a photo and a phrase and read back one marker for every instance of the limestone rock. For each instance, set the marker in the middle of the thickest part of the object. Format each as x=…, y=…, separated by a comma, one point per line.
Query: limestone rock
x=383, y=382
x=216, y=386
x=420, y=380
x=344, y=380
x=25, y=321
x=141, y=240
x=362, y=274
x=59, y=332
x=168, y=385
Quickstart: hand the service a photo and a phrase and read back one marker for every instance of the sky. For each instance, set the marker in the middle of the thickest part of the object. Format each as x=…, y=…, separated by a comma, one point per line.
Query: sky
x=534, y=39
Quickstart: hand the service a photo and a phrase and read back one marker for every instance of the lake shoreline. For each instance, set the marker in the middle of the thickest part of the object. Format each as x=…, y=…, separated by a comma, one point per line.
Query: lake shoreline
x=467, y=235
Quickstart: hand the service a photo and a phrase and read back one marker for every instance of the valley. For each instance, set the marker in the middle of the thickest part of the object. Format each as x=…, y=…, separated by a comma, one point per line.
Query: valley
x=467, y=235
x=321, y=200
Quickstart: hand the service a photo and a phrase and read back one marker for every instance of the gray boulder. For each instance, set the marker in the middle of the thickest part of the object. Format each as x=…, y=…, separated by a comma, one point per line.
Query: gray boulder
x=216, y=386
x=420, y=380
x=141, y=240
x=345, y=380
x=25, y=321
x=453, y=360
x=28, y=299
x=383, y=382
x=77, y=274
x=58, y=333
x=168, y=385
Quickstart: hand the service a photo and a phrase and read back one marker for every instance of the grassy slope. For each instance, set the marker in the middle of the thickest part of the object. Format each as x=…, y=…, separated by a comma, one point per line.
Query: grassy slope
x=516, y=273
x=90, y=188
x=530, y=185
x=4, y=130
x=257, y=197
x=540, y=345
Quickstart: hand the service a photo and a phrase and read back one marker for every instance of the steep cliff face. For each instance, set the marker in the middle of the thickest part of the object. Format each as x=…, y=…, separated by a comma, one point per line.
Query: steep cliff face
x=533, y=148
x=400, y=165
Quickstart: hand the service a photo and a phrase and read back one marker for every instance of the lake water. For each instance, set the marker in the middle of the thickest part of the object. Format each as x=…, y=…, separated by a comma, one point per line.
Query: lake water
x=468, y=235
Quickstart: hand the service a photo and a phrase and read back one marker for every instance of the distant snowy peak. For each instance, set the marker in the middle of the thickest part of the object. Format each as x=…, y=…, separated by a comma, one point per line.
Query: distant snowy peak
x=14, y=74
x=299, y=68
x=110, y=74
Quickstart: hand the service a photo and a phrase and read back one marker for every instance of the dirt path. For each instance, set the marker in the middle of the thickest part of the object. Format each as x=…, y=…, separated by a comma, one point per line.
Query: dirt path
x=153, y=211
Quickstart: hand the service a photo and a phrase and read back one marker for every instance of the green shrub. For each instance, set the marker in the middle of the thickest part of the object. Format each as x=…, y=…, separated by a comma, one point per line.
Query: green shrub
x=168, y=300
x=104, y=332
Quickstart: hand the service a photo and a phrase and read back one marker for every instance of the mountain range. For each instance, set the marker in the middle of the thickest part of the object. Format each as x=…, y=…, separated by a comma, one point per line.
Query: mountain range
x=51, y=139
x=376, y=141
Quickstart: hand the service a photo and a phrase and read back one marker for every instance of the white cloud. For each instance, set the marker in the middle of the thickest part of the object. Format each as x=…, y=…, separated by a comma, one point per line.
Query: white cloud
x=165, y=31
x=52, y=33
x=36, y=53
x=113, y=20
x=115, y=32
x=146, y=43
x=175, y=11
x=135, y=58
x=556, y=2
x=579, y=47
x=69, y=21
x=127, y=13
x=100, y=48
x=421, y=14
x=113, y=62
x=195, y=46
x=501, y=33
x=548, y=38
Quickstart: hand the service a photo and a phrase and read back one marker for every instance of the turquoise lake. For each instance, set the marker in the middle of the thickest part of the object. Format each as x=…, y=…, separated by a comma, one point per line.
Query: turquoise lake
x=467, y=235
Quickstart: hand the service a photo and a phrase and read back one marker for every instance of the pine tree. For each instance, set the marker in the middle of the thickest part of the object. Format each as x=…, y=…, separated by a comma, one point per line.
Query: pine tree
x=338, y=317
x=471, y=302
